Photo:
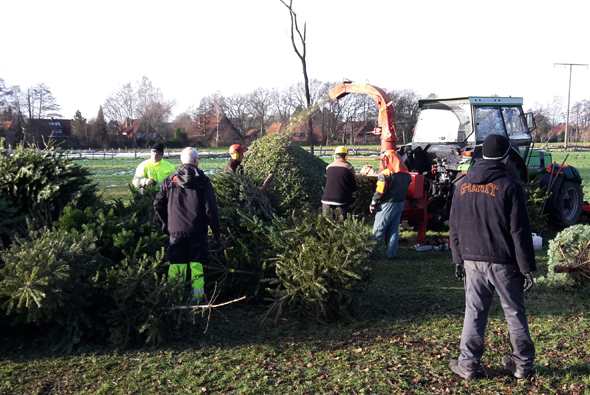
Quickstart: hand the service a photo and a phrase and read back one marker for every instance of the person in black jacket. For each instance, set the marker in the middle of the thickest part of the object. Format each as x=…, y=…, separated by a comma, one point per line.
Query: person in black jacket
x=492, y=246
x=341, y=182
x=187, y=207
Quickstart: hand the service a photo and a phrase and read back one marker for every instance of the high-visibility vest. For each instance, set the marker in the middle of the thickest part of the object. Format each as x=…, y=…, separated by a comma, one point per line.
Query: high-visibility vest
x=156, y=171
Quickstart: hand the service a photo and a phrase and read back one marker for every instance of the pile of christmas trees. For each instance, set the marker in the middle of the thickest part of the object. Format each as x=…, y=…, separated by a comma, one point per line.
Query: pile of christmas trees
x=80, y=267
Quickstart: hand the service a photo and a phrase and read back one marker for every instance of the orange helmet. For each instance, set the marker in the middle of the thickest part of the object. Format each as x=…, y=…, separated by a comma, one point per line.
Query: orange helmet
x=393, y=162
x=236, y=149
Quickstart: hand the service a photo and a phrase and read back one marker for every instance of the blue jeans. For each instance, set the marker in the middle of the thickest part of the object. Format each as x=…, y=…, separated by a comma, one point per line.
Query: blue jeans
x=387, y=220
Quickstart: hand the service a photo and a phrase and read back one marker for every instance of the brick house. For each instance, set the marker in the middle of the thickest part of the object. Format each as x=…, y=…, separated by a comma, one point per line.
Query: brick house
x=299, y=133
x=362, y=132
x=136, y=128
x=214, y=131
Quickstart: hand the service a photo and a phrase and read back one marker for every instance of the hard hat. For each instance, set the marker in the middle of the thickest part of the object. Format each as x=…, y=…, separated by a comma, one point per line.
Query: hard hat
x=236, y=149
x=388, y=153
x=341, y=150
x=393, y=161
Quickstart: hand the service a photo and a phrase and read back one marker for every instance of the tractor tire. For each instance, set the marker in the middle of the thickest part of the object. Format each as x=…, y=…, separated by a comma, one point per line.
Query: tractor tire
x=570, y=200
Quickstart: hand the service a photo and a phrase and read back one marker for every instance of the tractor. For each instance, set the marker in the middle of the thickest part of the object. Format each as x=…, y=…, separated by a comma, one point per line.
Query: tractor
x=448, y=138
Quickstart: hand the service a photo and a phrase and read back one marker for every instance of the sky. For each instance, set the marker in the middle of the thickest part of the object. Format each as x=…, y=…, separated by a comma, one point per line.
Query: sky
x=85, y=50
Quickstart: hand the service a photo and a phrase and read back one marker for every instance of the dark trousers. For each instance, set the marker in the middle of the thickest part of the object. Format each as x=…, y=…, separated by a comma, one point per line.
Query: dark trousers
x=343, y=210
x=481, y=280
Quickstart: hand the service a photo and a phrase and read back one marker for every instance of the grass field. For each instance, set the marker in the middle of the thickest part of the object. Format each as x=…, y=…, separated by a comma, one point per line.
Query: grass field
x=114, y=175
x=400, y=343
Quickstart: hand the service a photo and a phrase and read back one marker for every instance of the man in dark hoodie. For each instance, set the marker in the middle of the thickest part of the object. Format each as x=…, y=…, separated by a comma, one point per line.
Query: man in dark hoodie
x=492, y=248
x=187, y=207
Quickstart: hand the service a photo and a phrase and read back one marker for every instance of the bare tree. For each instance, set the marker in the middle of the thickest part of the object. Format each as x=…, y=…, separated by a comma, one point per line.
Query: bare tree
x=340, y=114
x=238, y=110
x=284, y=105
x=211, y=105
x=318, y=91
x=144, y=102
x=261, y=108
x=122, y=104
x=152, y=108
x=555, y=110
x=39, y=102
x=405, y=104
x=581, y=118
x=301, y=54
x=3, y=95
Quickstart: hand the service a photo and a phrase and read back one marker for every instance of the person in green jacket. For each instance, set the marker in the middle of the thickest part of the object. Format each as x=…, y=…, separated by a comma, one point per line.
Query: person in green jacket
x=154, y=170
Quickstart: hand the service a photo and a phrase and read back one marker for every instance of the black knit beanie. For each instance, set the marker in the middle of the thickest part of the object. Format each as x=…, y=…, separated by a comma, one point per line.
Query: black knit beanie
x=495, y=147
x=158, y=148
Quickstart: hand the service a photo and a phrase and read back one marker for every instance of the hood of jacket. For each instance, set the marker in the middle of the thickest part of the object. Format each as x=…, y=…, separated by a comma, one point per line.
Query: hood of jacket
x=190, y=176
x=485, y=171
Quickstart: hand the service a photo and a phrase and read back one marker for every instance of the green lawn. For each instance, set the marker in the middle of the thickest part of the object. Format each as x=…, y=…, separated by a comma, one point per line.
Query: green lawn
x=401, y=342
x=114, y=175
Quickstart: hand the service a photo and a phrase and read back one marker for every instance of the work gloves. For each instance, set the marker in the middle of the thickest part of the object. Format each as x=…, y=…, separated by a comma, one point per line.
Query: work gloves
x=147, y=182
x=372, y=207
x=529, y=281
x=459, y=271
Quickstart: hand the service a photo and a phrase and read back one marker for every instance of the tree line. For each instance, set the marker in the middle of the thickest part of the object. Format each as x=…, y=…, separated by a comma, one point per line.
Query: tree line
x=553, y=114
x=252, y=112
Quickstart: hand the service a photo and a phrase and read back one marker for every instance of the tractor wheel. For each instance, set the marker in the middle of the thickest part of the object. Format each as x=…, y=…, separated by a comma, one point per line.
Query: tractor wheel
x=569, y=204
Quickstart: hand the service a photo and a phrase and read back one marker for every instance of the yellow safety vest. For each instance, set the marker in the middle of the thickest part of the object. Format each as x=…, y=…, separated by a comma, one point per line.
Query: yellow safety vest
x=156, y=171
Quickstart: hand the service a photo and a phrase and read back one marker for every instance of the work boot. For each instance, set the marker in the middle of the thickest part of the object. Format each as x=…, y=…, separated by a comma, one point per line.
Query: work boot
x=518, y=372
x=456, y=368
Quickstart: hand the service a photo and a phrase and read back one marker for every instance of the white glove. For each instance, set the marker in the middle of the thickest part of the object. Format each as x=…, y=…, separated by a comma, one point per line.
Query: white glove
x=146, y=182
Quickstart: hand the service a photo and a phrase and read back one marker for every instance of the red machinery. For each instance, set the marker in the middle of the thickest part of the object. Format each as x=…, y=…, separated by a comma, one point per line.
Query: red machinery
x=415, y=204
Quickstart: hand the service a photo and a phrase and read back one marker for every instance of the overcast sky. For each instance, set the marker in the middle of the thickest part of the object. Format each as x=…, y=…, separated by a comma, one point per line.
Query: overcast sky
x=84, y=50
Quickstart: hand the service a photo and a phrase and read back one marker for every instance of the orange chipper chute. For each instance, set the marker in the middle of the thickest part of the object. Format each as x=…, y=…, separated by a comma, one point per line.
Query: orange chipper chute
x=386, y=126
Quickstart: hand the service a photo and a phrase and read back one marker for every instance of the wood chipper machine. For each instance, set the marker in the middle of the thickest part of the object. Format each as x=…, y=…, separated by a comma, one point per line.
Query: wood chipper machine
x=415, y=206
x=446, y=142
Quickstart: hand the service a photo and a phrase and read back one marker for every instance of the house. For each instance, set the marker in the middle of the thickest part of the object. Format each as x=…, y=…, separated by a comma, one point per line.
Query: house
x=214, y=131
x=575, y=133
x=46, y=129
x=363, y=132
x=252, y=135
x=136, y=128
x=7, y=131
x=5, y=127
x=299, y=133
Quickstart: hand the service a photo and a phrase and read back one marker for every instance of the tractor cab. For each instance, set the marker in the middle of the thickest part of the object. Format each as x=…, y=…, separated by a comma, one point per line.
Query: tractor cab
x=448, y=130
